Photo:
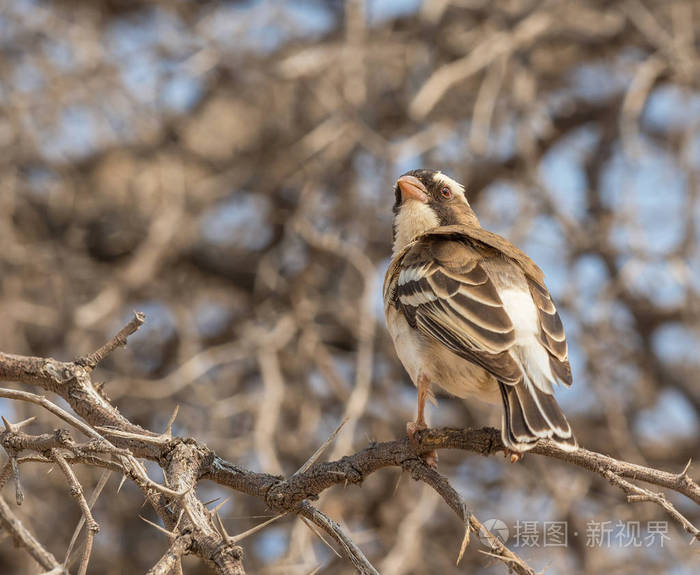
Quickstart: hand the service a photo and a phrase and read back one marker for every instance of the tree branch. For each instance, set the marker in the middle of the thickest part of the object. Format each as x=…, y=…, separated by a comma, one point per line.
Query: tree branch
x=23, y=538
x=186, y=461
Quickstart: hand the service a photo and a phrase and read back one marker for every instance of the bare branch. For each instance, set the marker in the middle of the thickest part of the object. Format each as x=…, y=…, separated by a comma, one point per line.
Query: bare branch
x=91, y=360
x=25, y=539
x=77, y=492
x=91, y=502
x=636, y=494
x=49, y=406
x=319, y=452
x=186, y=461
x=167, y=563
x=351, y=550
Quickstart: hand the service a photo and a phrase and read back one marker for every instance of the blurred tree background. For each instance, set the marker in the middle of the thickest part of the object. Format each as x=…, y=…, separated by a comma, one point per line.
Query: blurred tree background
x=227, y=168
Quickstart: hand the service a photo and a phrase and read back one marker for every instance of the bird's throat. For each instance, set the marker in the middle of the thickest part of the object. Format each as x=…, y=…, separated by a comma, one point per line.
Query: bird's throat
x=413, y=219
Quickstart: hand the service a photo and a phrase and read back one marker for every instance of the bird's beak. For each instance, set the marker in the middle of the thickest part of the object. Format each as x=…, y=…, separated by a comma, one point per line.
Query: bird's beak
x=411, y=187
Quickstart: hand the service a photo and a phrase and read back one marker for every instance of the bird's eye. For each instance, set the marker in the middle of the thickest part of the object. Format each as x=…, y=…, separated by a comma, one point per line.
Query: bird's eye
x=446, y=192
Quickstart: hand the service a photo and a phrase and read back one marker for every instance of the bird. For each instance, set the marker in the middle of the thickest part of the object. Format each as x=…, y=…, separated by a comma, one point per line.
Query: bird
x=470, y=313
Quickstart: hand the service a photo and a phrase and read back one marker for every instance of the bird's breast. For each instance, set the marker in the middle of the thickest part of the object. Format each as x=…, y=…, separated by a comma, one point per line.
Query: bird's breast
x=407, y=341
x=421, y=355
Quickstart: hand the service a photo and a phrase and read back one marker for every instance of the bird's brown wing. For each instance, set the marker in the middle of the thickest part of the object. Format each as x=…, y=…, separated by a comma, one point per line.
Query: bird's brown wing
x=551, y=334
x=444, y=292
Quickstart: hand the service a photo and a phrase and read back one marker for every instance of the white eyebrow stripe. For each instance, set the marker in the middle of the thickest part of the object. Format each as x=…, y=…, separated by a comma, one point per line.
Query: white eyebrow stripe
x=447, y=181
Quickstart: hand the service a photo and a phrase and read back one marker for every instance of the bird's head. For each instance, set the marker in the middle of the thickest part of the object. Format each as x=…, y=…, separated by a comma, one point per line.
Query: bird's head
x=427, y=199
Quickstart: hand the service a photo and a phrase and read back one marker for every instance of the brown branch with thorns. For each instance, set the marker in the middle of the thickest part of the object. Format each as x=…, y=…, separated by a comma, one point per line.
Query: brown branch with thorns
x=186, y=461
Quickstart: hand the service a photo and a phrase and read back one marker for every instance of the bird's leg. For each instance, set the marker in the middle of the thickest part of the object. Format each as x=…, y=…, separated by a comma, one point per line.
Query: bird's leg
x=424, y=393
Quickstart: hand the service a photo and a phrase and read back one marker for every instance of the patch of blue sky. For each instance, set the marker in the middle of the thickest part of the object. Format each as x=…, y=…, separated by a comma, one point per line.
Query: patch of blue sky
x=39, y=181
x=403, y=395
x=134, y=34
x=499, y=206
x=271, y=543
x=450, y=149
x=518, y=504
x=345, y=365
x=28, y=9
x=181, y=92
x=159, y=327
x=27, y=77
x=623, y=378
x=502, y=140
x=488, y=471
x=409, y=159
x=324, y=210
x=590, y=277
x=369, y=172
x=577, y=399
x=149, y=341
x=240, y=221
x=671, y=418
x=309, y=17
x=621, y=316
x=381, y=11
x=134, y=41
x=598, y=81
x=653, y=190
x=117, y=112
x=681, y=569
x=318, y=385
x=466, y=485
x=141, y=77
x=383, y=367
x=545, y=244
x=73, y=137
x=294, y=257
x=139, y=32
x=7, y=29
x=675, y=342
x=153, y=469
x=562, y=172
x=265, y=25
x=211, y=318
x=7, y=409
x=656, y=280
x=670, y=108
x=59, y=53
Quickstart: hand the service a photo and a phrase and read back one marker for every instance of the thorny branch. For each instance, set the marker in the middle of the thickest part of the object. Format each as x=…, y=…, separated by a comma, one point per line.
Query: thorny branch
x=186, y=461
x=552, y=114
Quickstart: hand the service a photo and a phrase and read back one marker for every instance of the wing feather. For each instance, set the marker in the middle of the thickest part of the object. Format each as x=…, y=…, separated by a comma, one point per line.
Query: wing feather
x=551, y=333
x=445, y=293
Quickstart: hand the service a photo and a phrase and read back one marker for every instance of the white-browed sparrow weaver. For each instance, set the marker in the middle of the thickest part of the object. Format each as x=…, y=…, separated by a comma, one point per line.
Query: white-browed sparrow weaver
x=469, y=312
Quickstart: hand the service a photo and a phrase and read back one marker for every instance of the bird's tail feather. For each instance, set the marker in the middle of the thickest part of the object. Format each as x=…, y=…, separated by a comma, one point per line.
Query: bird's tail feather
x=531, y=414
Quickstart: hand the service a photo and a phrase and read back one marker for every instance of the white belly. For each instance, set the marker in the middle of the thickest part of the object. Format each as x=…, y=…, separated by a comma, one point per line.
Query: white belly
x=443, y=368
x=408, y=346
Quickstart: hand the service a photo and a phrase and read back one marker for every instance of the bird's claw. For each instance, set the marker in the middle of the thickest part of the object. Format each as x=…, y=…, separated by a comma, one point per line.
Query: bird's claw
x=431, y=457
x=515, y=456
x=411, y=428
